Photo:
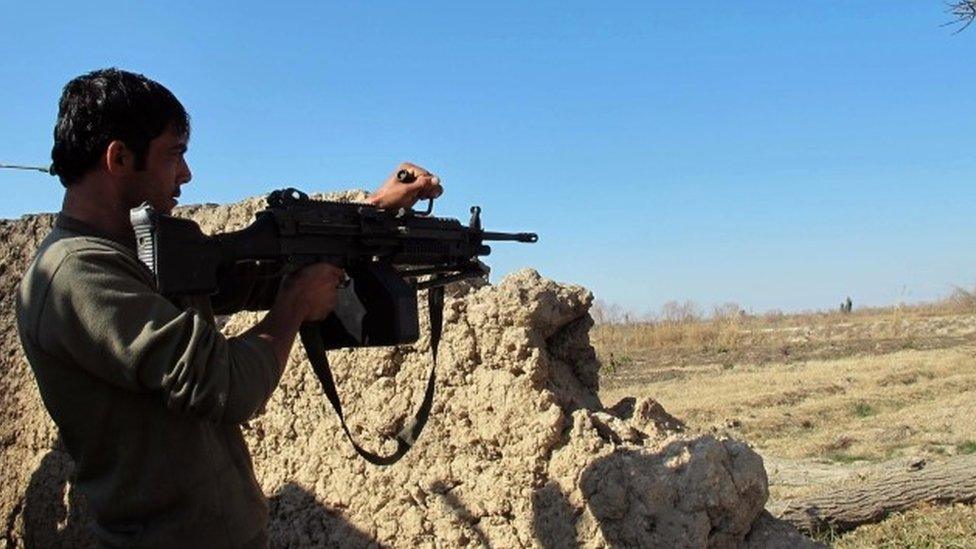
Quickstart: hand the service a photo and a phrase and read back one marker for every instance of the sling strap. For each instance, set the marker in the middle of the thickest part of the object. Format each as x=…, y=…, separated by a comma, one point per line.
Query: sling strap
x=315, y=349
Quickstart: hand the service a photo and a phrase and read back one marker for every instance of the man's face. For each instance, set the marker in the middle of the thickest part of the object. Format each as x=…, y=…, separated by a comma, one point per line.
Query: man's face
x=165, y=171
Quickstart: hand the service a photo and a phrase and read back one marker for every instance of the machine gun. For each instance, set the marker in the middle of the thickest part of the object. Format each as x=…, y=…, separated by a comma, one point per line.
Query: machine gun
x=388, y=257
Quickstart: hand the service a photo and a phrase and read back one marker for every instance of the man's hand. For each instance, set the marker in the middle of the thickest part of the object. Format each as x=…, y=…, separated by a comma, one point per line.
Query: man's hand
x=311, y=291
x=306, y=295
x=395, y=194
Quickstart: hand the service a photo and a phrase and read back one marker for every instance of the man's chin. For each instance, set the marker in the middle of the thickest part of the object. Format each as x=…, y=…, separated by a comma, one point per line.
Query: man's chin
x=165, y=206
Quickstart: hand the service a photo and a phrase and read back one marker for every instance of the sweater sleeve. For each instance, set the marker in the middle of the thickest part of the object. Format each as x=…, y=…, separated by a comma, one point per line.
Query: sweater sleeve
x=102, y=313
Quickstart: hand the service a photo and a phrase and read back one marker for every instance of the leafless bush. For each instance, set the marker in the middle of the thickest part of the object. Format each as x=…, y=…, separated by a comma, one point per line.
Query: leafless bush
x=728, y=311
x=606, y=313
x=679, y=313
x=774, y=315
x=678, y=324
x=962, y=299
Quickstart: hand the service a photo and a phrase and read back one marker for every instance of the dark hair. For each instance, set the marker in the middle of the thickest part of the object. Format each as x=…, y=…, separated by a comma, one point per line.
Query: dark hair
x=106, y=105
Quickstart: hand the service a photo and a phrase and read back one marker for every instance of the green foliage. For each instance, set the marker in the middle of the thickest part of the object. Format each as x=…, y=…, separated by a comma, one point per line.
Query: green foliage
x=863, y=409
x=621, y=360
x=843, y=457
x=967, y=447
x=610, y=364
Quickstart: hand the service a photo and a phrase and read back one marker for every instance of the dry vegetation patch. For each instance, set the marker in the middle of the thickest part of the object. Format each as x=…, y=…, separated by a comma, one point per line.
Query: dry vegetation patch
x=928, y=526
x=870, y=408
x=828, y=399
x=731, y=329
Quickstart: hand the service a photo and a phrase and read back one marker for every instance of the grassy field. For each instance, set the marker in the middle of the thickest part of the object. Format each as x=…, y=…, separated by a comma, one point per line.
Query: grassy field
x=825, y=398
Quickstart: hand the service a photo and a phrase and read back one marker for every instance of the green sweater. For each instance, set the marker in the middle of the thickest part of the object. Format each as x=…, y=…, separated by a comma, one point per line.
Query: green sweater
x=148, y=396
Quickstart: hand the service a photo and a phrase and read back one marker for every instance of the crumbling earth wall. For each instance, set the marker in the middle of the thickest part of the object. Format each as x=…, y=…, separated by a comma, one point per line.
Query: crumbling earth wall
x=519, y=451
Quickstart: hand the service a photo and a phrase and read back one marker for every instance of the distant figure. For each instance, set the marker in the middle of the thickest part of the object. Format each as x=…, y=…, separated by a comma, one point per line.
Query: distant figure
x=846, y=305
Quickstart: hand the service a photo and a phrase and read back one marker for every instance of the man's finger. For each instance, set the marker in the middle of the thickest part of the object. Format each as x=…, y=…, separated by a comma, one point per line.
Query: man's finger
x=435, y=187
x=326, y=271
x=424, y=187
x=431, y=191
x=421, y=183
x=415, y=171
x=338, y=274
x=427, y=180
x=432, y=188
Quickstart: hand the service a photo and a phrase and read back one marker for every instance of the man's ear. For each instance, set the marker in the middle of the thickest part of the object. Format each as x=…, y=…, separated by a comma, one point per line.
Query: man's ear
x=118, y=159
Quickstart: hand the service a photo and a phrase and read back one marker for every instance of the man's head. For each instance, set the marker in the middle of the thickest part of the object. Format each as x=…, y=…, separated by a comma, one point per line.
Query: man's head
x=127, y=126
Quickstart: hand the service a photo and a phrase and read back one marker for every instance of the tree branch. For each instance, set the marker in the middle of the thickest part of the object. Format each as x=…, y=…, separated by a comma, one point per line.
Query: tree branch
x=963, y=13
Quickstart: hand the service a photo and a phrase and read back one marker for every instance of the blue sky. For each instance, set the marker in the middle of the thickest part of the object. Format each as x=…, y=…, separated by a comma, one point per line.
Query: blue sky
x=715, y=151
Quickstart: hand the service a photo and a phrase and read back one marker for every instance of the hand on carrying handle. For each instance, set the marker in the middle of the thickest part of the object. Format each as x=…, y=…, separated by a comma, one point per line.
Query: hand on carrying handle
x=405, y=186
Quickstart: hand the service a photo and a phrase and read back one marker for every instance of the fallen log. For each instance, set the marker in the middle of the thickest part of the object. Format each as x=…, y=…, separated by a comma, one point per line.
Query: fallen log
x=952, y=480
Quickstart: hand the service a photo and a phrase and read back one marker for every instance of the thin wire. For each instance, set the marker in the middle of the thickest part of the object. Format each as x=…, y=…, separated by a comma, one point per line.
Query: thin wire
x=34, y=168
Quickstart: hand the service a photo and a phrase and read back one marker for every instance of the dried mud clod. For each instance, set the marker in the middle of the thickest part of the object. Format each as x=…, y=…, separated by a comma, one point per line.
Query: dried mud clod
x=519, y=450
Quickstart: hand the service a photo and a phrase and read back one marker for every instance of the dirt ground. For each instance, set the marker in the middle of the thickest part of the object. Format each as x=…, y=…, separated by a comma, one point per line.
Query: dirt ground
x=825, y=399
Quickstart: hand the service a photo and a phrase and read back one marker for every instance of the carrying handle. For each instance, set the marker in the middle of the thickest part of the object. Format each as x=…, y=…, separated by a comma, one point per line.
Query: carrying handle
x=407, y=176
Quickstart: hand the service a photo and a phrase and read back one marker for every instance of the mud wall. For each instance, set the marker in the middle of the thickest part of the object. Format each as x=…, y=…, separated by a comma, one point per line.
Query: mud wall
x=519, y=451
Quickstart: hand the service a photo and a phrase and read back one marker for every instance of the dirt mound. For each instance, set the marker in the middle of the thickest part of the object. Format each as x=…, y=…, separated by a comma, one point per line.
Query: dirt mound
x=519, y=451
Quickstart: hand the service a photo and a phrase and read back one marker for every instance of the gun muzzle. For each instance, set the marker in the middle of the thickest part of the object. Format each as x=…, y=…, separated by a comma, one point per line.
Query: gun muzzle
x=516, y=237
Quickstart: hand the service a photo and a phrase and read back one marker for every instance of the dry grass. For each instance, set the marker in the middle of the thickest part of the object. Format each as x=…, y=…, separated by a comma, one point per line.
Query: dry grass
x=728, y=328
x=869, y=408
x=636, y=337
x=928, y=526
x=916, y=395
x=825, y=397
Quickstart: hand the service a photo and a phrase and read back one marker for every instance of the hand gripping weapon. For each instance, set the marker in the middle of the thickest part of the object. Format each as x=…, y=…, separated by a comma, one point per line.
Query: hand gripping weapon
x=388, y=256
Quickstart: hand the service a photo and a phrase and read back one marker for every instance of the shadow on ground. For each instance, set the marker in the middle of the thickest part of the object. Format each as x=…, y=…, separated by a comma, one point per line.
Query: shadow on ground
x=53, y=515
x=628, y=506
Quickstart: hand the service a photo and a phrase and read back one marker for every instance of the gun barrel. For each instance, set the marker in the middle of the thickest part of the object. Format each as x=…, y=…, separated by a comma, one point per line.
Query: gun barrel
x=517, y=237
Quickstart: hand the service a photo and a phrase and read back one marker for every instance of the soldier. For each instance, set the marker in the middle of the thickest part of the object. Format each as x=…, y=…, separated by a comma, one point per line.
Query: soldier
x=147, y=394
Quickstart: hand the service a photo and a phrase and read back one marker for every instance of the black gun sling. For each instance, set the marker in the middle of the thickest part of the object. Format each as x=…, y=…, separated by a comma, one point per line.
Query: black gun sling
x=315, y=349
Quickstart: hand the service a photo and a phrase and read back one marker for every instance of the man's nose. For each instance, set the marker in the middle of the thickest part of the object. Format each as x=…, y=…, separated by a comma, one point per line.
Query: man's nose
x=185, y=174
